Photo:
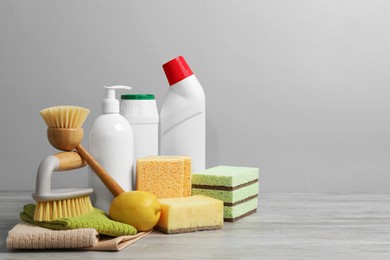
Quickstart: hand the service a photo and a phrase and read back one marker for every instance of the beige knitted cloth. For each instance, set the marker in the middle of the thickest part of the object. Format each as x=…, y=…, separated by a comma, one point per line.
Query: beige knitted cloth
x=26, y=236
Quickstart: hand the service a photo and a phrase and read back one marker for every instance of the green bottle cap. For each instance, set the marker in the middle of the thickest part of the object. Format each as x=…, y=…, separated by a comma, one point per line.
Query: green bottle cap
x=137, y=96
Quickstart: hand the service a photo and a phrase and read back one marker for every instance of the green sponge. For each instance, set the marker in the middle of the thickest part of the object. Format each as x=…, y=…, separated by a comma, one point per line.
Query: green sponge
x=96, y=219
x=226, y=176
x=237, y=187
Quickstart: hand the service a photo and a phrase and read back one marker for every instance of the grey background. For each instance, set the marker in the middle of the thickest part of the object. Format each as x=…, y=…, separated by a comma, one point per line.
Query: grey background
x=299, y=89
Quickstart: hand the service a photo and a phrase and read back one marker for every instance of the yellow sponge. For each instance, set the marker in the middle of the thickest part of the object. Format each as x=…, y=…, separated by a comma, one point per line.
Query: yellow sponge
x=187, y=177
x=188, y=214
x=163, y=176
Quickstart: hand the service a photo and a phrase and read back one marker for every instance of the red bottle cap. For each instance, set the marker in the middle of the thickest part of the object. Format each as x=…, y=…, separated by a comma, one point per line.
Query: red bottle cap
x=177, y=70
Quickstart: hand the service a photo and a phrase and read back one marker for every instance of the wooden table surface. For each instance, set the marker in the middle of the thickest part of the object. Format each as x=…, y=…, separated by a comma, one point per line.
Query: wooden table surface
x=286, y=226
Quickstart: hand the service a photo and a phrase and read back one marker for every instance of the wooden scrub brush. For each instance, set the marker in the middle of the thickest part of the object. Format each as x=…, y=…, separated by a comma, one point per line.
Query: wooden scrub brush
x=65, y=133
x=53, y=204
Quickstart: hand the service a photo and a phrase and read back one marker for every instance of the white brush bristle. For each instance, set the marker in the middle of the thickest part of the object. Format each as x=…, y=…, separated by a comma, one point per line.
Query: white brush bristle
x=64, y=116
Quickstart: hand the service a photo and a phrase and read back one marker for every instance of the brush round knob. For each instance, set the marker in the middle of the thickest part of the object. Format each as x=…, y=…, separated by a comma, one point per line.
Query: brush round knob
x=65, y=139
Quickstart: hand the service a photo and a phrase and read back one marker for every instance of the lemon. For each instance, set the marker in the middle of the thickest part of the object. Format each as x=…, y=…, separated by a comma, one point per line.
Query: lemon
x=141, y=209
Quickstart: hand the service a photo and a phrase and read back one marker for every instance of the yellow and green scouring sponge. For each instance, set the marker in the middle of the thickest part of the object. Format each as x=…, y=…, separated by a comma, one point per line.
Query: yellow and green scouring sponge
x=237, y=187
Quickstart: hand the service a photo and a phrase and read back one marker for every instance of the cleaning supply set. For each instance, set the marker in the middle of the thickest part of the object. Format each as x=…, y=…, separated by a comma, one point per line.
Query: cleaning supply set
x=134, y=149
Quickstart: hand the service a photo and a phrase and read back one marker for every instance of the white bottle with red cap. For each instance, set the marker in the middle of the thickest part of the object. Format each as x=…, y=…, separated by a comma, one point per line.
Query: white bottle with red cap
x=183, y=115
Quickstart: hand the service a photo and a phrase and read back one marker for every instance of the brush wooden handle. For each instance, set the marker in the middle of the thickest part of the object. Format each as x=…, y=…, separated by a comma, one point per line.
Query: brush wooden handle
x=69, y=161
x=110, y=183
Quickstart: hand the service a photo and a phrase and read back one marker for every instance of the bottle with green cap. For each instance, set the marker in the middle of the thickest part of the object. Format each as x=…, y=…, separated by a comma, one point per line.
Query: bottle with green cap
x=141, y=112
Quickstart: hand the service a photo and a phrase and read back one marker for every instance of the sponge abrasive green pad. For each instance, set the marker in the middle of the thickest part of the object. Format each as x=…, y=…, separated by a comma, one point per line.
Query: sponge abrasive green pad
x=226, y=176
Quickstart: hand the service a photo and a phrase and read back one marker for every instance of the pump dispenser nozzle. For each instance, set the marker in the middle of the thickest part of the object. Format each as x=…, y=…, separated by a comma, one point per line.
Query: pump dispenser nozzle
x=110, y=104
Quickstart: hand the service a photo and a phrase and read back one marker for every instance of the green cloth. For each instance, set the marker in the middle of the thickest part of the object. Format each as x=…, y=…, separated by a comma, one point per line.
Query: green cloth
x=96, y=219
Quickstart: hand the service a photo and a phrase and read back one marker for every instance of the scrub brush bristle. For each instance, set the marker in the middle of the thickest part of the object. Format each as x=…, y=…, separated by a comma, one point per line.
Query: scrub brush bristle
x=74, y=207
x=64, y=116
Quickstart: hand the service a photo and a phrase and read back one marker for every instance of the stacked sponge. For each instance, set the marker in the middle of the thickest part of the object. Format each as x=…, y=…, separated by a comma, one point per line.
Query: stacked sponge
x=237, y=187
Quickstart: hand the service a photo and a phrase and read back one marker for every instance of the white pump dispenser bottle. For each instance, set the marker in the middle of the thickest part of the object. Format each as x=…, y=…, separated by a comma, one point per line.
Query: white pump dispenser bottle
x=111, y=144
